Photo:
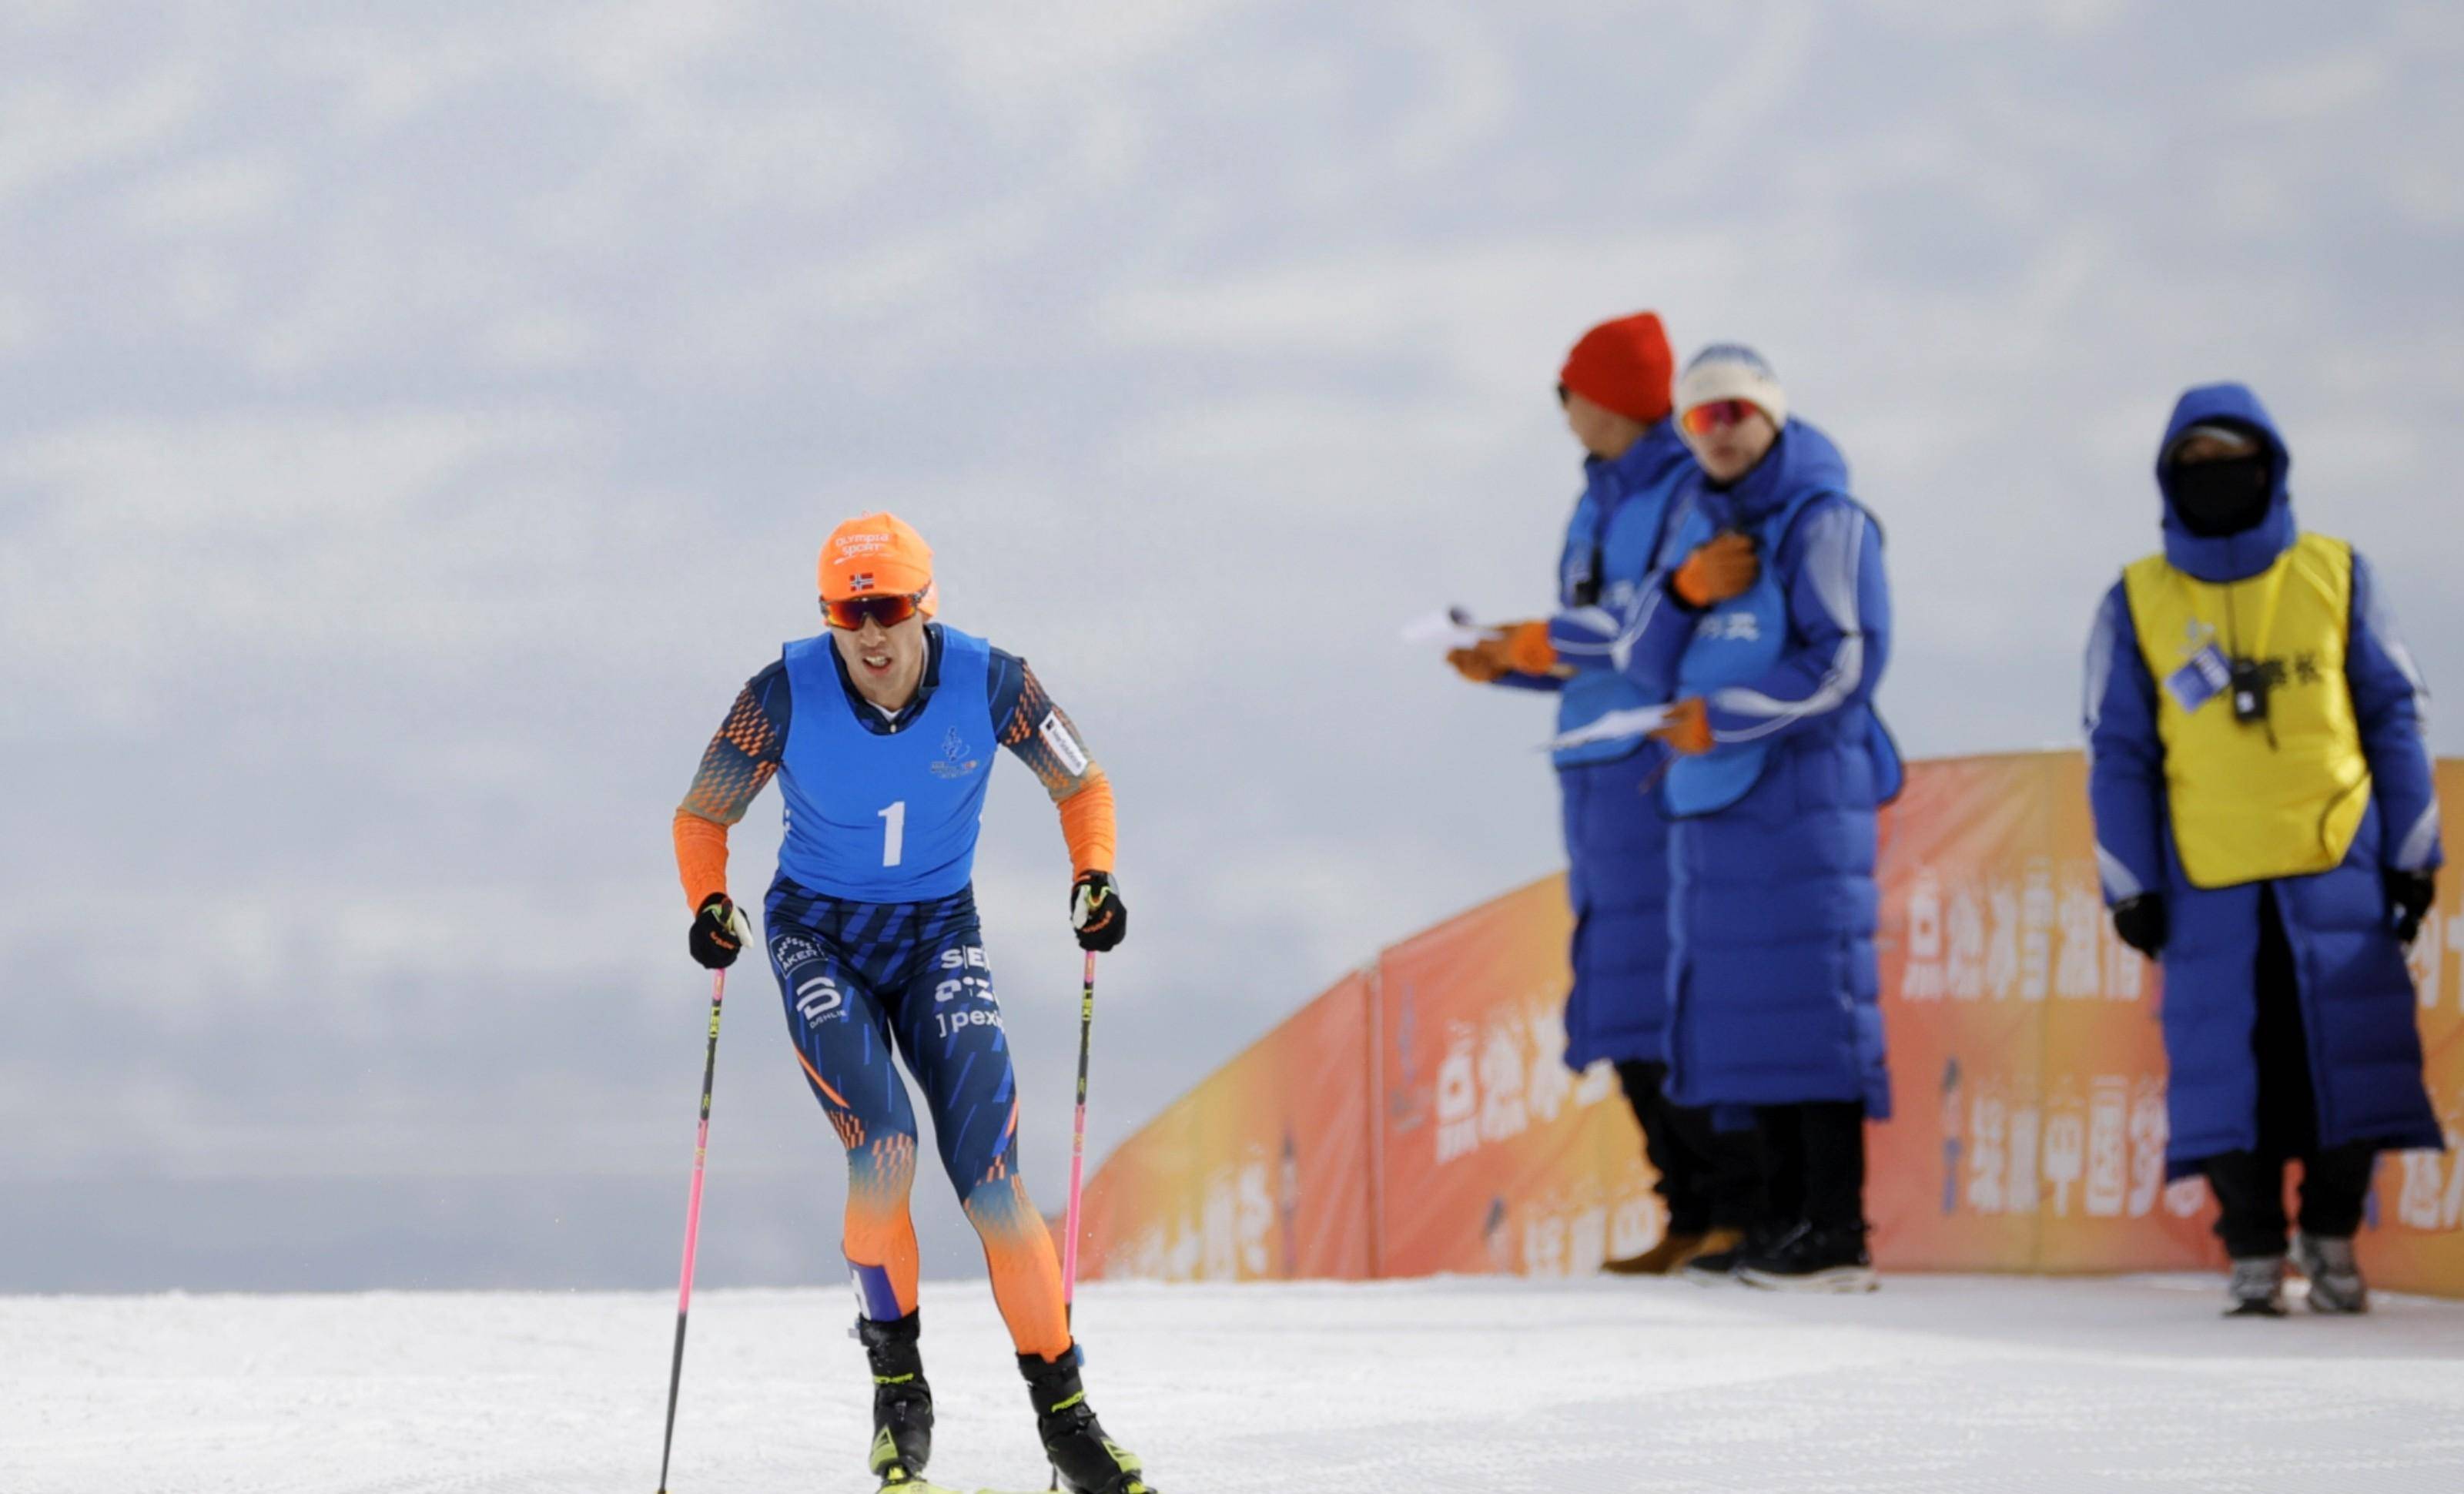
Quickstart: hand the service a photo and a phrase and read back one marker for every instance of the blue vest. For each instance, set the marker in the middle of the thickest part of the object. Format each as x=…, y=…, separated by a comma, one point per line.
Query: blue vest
x=1736, y=641
x=1612, y=546
x=875, y=818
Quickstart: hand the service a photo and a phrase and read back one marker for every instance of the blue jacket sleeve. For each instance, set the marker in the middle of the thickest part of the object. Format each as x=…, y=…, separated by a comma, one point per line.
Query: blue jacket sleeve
x=1647, y=637
x=1840, y=628
x=1645, y=641
x=2390, y=702
x=2126, y=758
x=1586, y=637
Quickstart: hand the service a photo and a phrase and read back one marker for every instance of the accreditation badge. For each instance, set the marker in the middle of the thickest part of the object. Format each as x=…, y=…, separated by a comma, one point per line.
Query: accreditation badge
x=2201, y=680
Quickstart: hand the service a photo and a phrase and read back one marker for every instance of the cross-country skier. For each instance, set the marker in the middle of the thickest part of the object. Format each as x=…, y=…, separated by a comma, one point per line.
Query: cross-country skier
x=881, y=732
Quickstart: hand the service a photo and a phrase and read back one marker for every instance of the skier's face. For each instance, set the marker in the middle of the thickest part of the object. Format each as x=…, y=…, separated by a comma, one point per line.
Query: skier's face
x=886, y=663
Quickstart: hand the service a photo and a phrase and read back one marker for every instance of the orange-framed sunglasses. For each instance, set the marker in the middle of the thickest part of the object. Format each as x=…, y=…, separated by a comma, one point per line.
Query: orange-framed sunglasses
x=1714, y=414
x=888, y=611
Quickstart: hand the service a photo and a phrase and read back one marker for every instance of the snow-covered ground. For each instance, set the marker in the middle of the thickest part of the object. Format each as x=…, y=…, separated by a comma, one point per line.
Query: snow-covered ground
x=1935, y=1383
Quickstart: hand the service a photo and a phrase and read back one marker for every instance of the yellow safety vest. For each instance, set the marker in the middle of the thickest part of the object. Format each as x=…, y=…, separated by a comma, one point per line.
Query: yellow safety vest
x=2256, y=800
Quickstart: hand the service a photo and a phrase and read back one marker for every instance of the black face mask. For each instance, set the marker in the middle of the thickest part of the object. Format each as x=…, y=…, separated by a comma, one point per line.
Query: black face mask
x=2220, y=498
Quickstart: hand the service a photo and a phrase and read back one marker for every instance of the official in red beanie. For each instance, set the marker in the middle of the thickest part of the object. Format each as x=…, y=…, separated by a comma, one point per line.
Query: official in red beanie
x=1616, y=388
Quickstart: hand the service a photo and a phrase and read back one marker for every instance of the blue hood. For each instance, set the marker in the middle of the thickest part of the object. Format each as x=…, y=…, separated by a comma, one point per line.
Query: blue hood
x=1802, y=458
x=2235, y=557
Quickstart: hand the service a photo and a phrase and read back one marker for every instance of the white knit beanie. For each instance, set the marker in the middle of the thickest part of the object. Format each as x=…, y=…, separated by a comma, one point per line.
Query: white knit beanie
x=1732, y=371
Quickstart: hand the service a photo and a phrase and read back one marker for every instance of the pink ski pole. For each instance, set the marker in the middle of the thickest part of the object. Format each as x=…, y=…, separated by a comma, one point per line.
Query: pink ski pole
x=693, y=1224
x=1077, y=1151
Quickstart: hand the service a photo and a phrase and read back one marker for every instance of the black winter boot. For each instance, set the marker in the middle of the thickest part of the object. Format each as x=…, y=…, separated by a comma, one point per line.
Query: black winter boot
x=1717, y=1266
x=1811, y=1258
x=902, y=1403
x=1087, y=1461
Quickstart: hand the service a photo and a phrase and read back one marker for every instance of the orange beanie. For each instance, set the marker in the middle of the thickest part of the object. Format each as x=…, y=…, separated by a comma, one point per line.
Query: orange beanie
x=878, y=554
x=1623, y=366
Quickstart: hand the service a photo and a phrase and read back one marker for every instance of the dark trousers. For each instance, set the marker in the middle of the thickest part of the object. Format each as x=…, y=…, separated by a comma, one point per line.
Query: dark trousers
x=2249, y=1185
x=1814, y=1170
x=1708, y=1178
x=2249, y=1188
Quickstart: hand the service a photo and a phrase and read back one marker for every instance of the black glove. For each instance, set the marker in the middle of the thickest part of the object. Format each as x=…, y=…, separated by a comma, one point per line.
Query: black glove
x=718, y=931
x=2411, y=895
x=2141, y=922
x=1097, y=912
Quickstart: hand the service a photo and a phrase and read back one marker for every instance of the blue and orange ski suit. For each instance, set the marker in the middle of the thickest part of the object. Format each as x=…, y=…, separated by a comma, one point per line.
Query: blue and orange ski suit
x=871, y=930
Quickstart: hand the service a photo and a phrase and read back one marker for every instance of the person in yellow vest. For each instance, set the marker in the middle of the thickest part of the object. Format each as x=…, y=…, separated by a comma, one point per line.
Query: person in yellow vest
x=2267, y=826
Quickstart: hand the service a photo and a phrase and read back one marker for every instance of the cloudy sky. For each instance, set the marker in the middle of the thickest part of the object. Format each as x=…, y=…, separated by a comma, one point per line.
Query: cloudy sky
x=417, y=419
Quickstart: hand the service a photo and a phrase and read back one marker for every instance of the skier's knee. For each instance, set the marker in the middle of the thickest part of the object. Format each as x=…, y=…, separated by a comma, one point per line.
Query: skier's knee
x=884, y=1154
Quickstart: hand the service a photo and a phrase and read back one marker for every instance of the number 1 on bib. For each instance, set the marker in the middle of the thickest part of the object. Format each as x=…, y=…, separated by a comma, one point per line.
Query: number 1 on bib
x=893, y=833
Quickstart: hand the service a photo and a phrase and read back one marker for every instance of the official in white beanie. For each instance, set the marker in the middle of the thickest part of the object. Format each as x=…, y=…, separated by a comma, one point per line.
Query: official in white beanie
x=1775, y=629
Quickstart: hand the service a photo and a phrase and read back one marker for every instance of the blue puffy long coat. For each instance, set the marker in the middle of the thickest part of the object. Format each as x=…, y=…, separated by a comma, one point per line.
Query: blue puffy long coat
x=2356, y=995
x=1774, y=988
x=1617, y=839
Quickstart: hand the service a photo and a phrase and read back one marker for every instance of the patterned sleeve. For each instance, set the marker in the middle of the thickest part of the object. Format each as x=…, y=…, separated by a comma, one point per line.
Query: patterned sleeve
x=739, y=760
x=1040, y=732
x=744, y=754
x=1043, y=737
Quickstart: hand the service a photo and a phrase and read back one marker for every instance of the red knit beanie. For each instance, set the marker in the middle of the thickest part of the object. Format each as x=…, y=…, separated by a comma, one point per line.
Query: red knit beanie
x=1623, y=366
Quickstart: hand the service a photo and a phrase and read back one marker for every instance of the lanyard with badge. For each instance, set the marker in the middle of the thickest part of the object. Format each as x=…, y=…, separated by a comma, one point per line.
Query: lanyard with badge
x=2213, y=672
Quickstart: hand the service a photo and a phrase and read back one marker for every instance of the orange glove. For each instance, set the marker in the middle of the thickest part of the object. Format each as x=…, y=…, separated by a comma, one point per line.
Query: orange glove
x=1687, y=730
x=1721, y=568
x=1482, y=664
x=1527, y=647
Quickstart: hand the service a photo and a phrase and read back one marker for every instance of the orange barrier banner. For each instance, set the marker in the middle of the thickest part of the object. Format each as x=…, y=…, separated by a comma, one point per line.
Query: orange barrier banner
x=2415, y=1239
x=1494, y=1156
x=1416, y=1117
x=2026, y=1058
x=1264, y=1170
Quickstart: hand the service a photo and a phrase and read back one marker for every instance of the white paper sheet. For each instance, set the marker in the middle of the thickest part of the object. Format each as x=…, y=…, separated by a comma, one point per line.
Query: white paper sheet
x=1451, y=627
x=1617, y=724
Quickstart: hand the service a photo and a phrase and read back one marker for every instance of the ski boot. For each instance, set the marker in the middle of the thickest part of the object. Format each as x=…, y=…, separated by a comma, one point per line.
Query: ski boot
x=1086, y=1461
x=2257, y=1287
x=902, y=1403
x=2336, y=1283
